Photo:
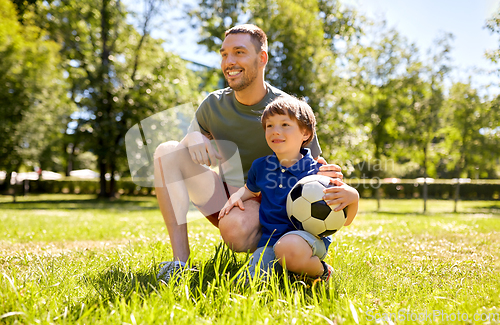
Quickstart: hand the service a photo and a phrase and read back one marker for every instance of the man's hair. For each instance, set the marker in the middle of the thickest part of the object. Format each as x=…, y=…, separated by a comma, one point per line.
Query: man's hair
x=296, y=109
x=259, y=38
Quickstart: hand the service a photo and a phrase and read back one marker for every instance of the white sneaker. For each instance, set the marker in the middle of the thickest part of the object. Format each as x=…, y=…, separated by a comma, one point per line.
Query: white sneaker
x=172, y=269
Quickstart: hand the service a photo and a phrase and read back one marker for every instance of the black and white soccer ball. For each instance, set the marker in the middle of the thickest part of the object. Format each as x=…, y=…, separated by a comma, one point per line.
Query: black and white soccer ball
x=305, y=206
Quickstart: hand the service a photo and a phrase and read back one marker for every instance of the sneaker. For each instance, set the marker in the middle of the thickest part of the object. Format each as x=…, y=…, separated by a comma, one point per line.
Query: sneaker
x=169, y=270
x=328, y=270
x=306, y=280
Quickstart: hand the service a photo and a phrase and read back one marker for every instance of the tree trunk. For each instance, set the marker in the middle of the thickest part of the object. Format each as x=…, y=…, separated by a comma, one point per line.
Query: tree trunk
x=105, y=104
x=112, y=181
x=102, y=178
x=71, y=157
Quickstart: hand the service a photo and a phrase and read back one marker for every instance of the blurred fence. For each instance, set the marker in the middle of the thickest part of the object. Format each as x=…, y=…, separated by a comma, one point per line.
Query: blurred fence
x=390, y=188
x=481, y=189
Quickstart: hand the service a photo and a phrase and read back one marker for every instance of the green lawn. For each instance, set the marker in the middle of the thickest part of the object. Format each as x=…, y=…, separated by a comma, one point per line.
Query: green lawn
x=69, y=259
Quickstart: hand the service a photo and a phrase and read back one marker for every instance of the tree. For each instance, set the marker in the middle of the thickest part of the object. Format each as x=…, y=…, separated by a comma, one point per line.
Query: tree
x=301, y=36
x=118, y=75
x=378, y=70
x=32, y=98
x=303, y=39
x=421, y=121
x=493, y=24
x=464, y=119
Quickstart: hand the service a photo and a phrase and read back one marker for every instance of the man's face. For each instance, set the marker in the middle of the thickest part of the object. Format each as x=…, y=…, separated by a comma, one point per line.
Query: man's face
x=240, y=61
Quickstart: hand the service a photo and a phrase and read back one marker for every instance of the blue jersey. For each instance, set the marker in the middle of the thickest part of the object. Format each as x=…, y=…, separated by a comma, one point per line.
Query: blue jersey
x=275, y=182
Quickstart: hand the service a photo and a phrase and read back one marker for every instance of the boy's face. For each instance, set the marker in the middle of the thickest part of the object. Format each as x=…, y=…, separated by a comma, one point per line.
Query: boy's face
x=284, y=136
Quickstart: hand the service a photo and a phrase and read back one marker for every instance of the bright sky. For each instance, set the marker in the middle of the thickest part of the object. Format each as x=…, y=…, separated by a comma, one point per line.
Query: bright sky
x=420, y=21
x=423, y=20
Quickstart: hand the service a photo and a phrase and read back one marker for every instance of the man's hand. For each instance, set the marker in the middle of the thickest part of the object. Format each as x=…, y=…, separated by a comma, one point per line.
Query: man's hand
x=201, y=150
x=329, y=170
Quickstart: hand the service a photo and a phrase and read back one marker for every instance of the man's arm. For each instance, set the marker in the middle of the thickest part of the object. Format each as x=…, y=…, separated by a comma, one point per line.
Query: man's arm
x=200, y=148
x=198, y=137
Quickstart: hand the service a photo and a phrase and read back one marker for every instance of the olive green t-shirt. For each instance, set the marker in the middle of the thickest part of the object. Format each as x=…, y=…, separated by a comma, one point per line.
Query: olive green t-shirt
x=237, y=131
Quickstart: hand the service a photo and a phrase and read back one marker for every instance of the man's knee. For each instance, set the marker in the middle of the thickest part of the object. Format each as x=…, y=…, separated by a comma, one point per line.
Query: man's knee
x=233, y=232
x=239, y=234
x=166, y=149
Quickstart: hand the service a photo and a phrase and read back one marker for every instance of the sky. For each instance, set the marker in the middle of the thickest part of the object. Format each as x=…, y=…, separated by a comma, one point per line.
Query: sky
x=421, y=22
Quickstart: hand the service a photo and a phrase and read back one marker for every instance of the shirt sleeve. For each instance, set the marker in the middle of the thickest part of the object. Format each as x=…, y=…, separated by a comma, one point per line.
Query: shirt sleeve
x=200, y=121
x=314, y=146
x=252, y=179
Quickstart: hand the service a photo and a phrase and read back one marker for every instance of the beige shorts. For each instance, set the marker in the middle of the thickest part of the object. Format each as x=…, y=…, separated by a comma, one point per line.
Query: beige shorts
x=221, y=194
x=317, y=244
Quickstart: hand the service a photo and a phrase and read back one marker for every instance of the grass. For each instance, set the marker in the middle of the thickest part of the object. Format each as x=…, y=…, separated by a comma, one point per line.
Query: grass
x=68, y=259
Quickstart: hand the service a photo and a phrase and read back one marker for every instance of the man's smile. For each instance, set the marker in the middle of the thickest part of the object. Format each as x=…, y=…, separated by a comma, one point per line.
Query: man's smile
x=233, y=73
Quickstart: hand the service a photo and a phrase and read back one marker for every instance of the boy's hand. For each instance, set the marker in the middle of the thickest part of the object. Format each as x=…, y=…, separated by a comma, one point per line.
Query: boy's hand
x=232, y=202
x=341, y=194
x=330, y=170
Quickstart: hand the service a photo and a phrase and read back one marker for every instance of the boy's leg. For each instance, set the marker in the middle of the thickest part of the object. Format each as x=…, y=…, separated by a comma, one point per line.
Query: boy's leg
x=301, y=253
x=262, y=259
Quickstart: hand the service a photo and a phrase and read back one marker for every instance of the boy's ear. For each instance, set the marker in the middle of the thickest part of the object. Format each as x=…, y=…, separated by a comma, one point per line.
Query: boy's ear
x=306, y=135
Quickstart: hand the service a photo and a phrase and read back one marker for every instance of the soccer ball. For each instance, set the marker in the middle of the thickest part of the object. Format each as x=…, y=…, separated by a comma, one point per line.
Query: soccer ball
x=305, y=206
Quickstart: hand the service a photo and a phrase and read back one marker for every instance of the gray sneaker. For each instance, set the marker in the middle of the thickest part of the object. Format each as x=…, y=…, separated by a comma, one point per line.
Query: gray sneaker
x=169, y=270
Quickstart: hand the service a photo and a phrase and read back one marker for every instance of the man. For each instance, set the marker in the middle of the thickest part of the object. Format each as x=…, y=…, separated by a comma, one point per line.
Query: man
x=229, y=116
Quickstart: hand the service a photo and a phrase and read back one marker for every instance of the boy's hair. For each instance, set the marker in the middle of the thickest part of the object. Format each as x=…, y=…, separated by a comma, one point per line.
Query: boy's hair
x=296, y=109
x=259, y=38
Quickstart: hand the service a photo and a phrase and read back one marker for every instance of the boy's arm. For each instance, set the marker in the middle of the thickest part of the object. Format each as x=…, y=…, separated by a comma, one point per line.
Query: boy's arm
x=352, y=210
x=237, y=199
x=344, y=196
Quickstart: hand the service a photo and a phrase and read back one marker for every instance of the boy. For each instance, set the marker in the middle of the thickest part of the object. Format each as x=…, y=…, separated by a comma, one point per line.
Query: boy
x=289, y=125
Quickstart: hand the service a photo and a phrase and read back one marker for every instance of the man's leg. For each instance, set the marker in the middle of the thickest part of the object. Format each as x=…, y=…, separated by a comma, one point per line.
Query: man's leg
x=177, y=179
x=240, y=229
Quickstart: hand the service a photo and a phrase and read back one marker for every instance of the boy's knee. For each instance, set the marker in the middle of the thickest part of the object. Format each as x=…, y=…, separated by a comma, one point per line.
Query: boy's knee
x=291, y=250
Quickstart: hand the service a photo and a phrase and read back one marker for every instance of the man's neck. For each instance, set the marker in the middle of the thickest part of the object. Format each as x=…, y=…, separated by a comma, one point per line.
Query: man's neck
x=252, y=94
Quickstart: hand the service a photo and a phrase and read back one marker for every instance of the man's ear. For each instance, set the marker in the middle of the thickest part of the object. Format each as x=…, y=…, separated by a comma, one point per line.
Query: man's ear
x=263, y=58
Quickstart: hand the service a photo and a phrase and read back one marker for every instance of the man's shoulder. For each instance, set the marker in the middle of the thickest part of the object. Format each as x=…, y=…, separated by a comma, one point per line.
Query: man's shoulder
x=275, y=91
x=215, y=99
x=219, y=94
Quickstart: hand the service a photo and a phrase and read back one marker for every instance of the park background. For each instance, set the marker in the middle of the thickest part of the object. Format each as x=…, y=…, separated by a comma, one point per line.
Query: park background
x=406, y=121
x=75, y=77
